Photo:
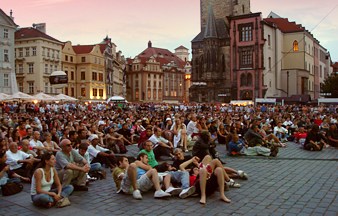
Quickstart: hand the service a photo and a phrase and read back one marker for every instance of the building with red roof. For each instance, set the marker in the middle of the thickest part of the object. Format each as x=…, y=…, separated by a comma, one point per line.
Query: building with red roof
x=37, y=56
x=156, y=75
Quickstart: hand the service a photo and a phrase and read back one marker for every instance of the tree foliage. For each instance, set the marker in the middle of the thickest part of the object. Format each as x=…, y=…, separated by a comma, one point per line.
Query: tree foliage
x=330, y=85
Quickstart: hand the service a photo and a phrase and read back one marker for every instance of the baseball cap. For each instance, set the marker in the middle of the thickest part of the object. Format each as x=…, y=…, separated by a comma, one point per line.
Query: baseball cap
x=92, y=137
x=168, y=119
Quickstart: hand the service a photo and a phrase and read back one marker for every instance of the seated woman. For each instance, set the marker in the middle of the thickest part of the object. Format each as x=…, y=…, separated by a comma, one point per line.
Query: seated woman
x=50, y=145
x=211, y=175
x=42, y=193
x=180, y=135
x=314, y=140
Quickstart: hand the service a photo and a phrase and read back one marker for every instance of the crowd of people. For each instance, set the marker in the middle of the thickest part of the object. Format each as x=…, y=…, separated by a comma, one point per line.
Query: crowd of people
x=58, y=148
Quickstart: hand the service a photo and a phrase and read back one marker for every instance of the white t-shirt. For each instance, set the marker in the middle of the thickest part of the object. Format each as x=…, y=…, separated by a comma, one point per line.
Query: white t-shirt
x=13, y=158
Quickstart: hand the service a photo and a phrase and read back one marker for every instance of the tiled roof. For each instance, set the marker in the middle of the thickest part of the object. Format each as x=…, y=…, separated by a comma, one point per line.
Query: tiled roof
x=26, y=33
x=211, y=30
x=82, y=49
x=285, y=25
x=163, y=56
x=221, y=28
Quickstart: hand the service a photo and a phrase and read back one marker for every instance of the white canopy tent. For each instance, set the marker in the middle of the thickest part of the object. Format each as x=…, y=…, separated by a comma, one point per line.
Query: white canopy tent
x=44, y=97
x=117, y=99
x=21, y=96
x=4, y=97
x=63, y=97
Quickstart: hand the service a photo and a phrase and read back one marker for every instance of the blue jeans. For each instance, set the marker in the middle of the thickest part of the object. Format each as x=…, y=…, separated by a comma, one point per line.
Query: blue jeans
x=95, y=167
x=43, y=199
x=180, y=177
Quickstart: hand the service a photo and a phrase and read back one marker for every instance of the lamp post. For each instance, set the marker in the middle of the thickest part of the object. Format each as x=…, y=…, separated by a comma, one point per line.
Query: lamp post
x=187, y=78
x=287, y=83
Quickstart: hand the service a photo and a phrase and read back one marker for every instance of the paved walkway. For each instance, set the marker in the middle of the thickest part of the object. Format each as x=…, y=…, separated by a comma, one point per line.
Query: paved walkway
x=297, y=182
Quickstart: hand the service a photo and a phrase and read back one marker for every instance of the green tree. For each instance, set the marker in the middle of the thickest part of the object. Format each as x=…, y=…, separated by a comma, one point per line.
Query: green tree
x=330, y=85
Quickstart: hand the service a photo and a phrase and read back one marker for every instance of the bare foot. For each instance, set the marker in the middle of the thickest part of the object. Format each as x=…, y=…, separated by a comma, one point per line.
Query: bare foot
x=203, y=201
x=225, y=199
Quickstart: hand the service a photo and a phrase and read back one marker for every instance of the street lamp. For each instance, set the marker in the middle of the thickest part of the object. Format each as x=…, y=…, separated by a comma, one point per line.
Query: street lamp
x=187, y=78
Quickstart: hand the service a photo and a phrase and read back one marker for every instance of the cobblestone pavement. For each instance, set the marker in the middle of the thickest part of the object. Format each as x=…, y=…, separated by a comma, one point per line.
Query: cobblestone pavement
x=297, y=182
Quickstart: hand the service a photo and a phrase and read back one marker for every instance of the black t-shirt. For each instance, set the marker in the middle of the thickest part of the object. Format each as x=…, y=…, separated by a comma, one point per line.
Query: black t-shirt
x=177, y=163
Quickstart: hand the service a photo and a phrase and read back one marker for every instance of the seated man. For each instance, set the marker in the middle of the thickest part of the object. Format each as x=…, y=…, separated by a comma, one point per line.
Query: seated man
x=125, y=131
x=177, y=177
x=71, y=166
x=95, y=168
x=20, y=162
x=25, y=147
x=36, y=144
x=144, y=136
x=332, y=135
x=315, y=141
x=281, y=132
x=99, y=154
x=137, y=177
x=161, y=146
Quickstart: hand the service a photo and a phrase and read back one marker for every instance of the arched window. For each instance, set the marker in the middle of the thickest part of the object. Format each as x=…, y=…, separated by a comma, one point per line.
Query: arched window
x=243, y=80
x=295, y=46
x=208, y=61
x=249, y=80
x=201, y=70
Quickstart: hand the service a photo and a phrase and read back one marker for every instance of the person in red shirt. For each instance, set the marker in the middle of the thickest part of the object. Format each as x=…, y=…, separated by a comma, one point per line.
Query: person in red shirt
x=300, y=135
x=22, y=129
x=145, y=135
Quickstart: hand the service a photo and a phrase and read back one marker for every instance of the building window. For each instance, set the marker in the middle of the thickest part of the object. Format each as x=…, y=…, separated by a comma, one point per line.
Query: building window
x=66, y=91
x=72, y=75
x=295, y=46
x=55, y=67
x=94, y=92
x=51, y=69
x=72, y=92
x=34, y=51
x=30, y=68
x=6, y=80
x=101, y=77
x=269, y=40
x=245, y=32
x=43, y=51
x=83, y=59
x=71, y=59
x=20, y=66
x=66, y=58
x=83, y=92
x=27, y=51
x=154, y=94
x=101, y=92
x=269, y=63
x=31, y=87
x=48, y=52
x=149, y=94
x=94, y=76
x=46, y=87
x=20, y=52
x=137, y=95
x=5, y=33
x=83, y=75
x=20, y=84
x=245, y=58
x=46, y=68
x=6, y=56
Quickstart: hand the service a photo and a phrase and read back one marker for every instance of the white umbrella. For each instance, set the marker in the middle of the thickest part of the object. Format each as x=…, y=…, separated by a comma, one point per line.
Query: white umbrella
x=44, y=97
x=21, y=96
x=4, y=96
x=63, y=97
x=116, y=99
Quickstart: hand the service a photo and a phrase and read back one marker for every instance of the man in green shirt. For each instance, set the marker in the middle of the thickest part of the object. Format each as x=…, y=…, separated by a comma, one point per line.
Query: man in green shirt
x=148, y=150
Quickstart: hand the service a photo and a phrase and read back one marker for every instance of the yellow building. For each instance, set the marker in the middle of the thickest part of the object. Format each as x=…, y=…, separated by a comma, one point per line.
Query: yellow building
x=37, y=55
x=89, y=77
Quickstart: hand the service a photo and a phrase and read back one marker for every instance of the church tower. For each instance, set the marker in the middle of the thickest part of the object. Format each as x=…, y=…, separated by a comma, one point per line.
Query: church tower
x=211, y=73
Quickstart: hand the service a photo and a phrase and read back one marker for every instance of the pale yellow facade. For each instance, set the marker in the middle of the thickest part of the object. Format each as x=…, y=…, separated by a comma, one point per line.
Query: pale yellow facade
x=69, y=65
x=36, y=59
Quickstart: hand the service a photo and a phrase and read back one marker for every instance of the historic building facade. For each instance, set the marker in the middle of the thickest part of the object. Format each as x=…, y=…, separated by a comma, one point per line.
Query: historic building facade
x=211, y=60
x=8, y=82
x=155, y=75
x=295, y=62
x=37, y=55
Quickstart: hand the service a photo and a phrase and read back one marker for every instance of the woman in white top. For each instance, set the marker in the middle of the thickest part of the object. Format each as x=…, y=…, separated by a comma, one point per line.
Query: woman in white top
x=42, y=193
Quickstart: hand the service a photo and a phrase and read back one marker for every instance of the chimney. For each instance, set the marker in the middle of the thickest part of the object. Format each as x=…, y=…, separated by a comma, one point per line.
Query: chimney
x=149, y=44
x=40, y=26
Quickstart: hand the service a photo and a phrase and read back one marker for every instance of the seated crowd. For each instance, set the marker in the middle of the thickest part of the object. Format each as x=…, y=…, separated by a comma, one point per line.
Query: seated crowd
x=60, y=149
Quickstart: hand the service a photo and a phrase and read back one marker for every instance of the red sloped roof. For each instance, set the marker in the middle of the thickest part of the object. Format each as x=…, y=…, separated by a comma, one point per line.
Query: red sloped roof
x=102, y=47
x=26, y=33
x=82, y=49
x=163, y=56
x=285, y=25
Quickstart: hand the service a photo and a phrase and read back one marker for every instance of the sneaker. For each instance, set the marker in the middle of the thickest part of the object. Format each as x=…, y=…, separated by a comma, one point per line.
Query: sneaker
x=160, y=194
x=173, y=191
x=233, y=184
x=242, y=175
x=137, y=194
x=187, y=192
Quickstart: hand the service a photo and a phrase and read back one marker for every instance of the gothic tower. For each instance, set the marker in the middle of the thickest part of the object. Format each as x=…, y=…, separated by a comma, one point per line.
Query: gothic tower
x=211, y=51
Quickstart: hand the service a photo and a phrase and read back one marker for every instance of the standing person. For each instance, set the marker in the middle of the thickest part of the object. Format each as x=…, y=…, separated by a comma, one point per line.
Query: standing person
x=67, y=165
x=42, y=193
